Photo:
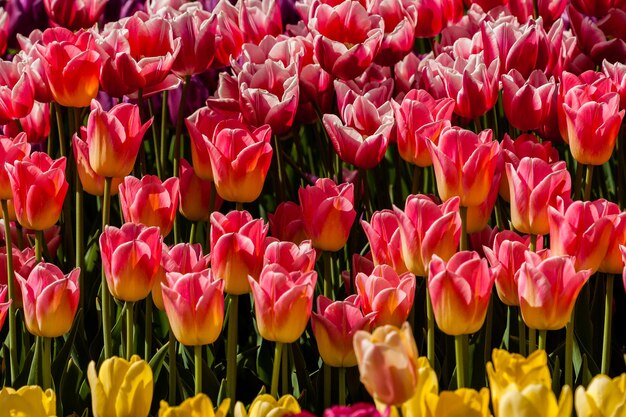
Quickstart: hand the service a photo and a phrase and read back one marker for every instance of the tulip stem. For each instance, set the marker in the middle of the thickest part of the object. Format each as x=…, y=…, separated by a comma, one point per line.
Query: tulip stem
x=162, y=152
x=106, y=297
x=279, y=169
x=532, y=340
x=521, y=327
x=45, y=362
x=148, y=335
x=197, y=358
x=328, y=288
x=285, y=369
x=38, y=245
x=192, y=233
x=80, y=244
x=588, y=182
x=155, y=144
x=543, y=334
x=608, y=316
x=578, y=181
x=179, y=123
x=533, y=243
x=460, y=351
x=569, y=352
x=342, y=386
x=327, y=385
x=130, y=325
x=11, y=289
x=171, y=352
x=231, y=357
x=464, y=242
x=430, y=332
x=278, y=353
x=417, y=179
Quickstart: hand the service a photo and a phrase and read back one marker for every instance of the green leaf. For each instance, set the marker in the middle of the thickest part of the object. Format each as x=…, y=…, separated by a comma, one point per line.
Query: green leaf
x=156, y=362
x=60, y=362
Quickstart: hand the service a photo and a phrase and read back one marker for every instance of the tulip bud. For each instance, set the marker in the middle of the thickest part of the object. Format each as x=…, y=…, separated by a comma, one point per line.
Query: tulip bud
x=30, y=401
x=604, y=397
x=91, y=182
x=194, y=195
x=384, y=236
x=291, y=256
x=11, y=150
x=534, y=400
x=197, y=406
x=463, y=401
x=287, y=223
x=265, y=405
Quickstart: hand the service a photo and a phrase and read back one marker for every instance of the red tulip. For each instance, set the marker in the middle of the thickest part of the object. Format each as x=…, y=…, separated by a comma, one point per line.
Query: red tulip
x=290, y=256
x=478, y=216
x=230, y=32
x=460, y=288
x=530, y=98
x=617, y=73
x=23, y=262
x=74, y=14
x=11, y=150
x=36, y=124
x=131, y=258
x=259, y=18
x=384, y=236
x=612, y=262
x=4, y=306
x=287, y=223
x=400, y=19
x=434, y=15
x=16, y=92
x=196, y=29
x=91, y=182
x=428, y=229
x=194, y=195
x=328, y=213
x=50, y=300
x=39, y=188
x=5, y=25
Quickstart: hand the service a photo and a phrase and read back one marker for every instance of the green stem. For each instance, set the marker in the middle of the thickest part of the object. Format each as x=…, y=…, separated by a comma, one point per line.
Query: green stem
x=278, y=353
x=430, y=332
x=328, y=288
x=588, y=182
x=163, y=152
x=197, y=354
x=532, y=340
x=460, y=347
x=327, y=385
x=464, y=241
x=155, y=143
x=533, y=243
x=279, y=169
x=148, y=335
x=179, y=123
x=239, y=206
x=11, y=290
x=608, y=316
x=488, y=330
x=45, y=363
x=106, y=296
x=543, y=334
x=578, y=182
x=569, y=352
x=59, y=116
x=171, y=353
x=522, y=333
x=285, y=370
x=231, y=354
x=130, y=326
x=192, y=232
x=38, y=245
x=417, y=179
x=80, y=244
x=342, y=386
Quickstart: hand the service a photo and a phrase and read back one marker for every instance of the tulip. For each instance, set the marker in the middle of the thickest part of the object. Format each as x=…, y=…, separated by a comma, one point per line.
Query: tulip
x=534, y=400
x=265, y=405
x=387, y=360
x=11, y=150
x=428, y=229
x=334, y=326
x=196, y=30
x=514, y=369
x=530, y=97
x=74, y=15
x=287, y=223
x=131, y=257
x=346, y=37
x=91, y=182
x=197, y=406
x=460, y=288
x=592, y=125
x=328, y=213
x=50, y=300
x=582, y=230
x=30, y=401
x=536, y=185
x=355, y=410
x=231, y=34
x=150, y=201
x=617, y=73
x=113, y=138
x=39, y=188
x=194, y=303
x=237, y=245
x=122, y=388
x=612, y=262
x=16, y=92
x=194, y=195
x=385, y=294
x=240, y=159
x=384, y=236
x=465, y=164
x=604, y=397
x=462, y=402
x=479, y=216
x=260, y=18
x=420, y=118
x=400, y=19
x=36, y=124
x=548, y=290
x=434, y=15
x=282, y=302
x=4, y=306
x=290, y=256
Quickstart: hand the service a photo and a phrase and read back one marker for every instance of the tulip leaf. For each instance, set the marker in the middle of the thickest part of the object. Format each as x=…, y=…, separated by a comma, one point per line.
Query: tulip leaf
x=556, y=375
x=60, y=362
x=304, y=379
x=156, y=362
x=35, y=375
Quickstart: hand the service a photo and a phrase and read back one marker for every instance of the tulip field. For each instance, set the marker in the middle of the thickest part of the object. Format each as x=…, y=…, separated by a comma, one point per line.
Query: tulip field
x=357, y=208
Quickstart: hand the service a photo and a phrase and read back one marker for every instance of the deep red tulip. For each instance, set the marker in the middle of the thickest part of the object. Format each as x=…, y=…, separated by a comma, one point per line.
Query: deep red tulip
x=434, y=15
x=400, y=19
x=287, y=223
x=229, y=30
x=74, y=15
x=527, y=102
x=196, y=29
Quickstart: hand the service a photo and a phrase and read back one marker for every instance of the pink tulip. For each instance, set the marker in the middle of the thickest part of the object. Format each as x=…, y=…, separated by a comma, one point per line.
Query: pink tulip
x=39, y=188
x=535, y=186
x=194, y=195
x=400, y=19
x=465, y=164
x=194, y=303
x=23, y=262
x=548, y=290
x=36, y=124
x=460, y=288
x=237, y=247
x=420, y=118
x=530, y=97
x=131, y=258
x=617, y=73
x=50, y=300
x=196, y=29
x=434, y=15
x=334, y=326
x=290, y=256
x=240, y=159
x=478, y=216
x=347, y=39
x=406, y=73
x=328, y=213
x=581, y=230
x=16, y=92
x=91, y=182
x=74, y=14
x=384, y=236
x=282, y=302
x=231, y=34
x=599, y=40
x=385, y=294
x=260, y=18
x=612, y=262
x=11, y=150
x=150, y=201
x=4, y=306
x=287, y=223
x=428, y=229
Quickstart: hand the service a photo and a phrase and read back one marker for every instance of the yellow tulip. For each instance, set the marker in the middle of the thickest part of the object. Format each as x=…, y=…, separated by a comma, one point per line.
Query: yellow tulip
x=29, y=401
x=198, y=406
x=464, y=402
x=267, y=406
x=122, y=388
x=512, y=368
x=535, y=400
x=604, y=397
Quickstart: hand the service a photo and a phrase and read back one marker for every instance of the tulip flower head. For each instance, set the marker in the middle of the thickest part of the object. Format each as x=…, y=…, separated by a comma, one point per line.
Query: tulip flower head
x=121, y=388
x=534, y=400
x=91, y=182
x=287, y=223
x=199, y=405
x=4, y=306
x=74, y=15
x=604, y=397
x=194, y=195
x=462, y=402
x=265, y=405
x=290, y=256
x=384, y=236
x=11, y=150
x=16, y=92
x=29, y=400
